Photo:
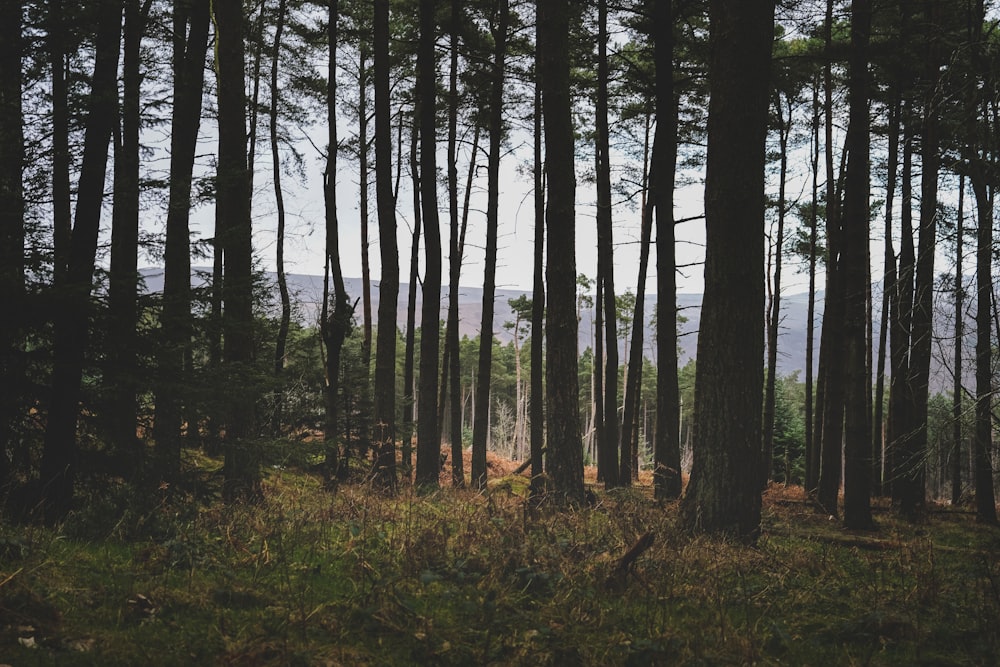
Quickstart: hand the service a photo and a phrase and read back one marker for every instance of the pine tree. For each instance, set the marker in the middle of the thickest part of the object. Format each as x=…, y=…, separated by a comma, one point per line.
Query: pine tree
x=60, y=452
x=565, y=454
x=241, y=469
x=723, y=495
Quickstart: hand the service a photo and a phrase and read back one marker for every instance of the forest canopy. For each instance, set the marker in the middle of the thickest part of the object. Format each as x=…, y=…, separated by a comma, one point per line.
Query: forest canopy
x=846, y=148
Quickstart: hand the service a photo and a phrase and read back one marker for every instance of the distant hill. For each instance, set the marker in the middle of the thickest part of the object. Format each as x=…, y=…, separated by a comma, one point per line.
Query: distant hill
x=307, y=291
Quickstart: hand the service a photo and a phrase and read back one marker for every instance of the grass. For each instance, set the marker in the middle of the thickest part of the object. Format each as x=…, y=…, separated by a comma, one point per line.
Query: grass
x=310, y=577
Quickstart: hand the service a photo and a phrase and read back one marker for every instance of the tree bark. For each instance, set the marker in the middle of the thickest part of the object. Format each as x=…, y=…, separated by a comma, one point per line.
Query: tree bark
x=985, y=496
x=335, y=323
x=385, y=352
x=255, y=41
x=900, y=422
x=879, y=425
x=857, y=426
x=608, y=448
x=722, y=497
x=449, y=363
x=409, y=356
x=62, y=216
x=912, y=494
x=366, y=412
x=986, y=511
x=830, y=421
x=215, y=419
x=774, y=310
x=428, y=432
x=363, y=174
x=190, y=22
x=452, y=355
x=483, y=401
x=121, y=372
x=241, y=470
x=12, y=276
x=593, y=424
x=633, y=380
x=565, y=458
x=281, y=342
x=60, y=449
x=956, y=397
x=538, y=307
x=667, y=450
x=812, y=441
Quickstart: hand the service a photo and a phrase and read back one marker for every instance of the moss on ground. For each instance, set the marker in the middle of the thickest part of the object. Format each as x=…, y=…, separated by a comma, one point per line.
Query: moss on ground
x=352, y=577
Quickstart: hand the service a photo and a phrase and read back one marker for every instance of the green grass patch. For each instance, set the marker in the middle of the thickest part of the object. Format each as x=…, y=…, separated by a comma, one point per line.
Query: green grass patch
x=352, y=577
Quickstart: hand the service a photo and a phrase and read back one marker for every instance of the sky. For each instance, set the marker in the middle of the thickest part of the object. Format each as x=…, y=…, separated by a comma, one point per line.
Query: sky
x=305, y=232
x=305, y=225
x=304, y=241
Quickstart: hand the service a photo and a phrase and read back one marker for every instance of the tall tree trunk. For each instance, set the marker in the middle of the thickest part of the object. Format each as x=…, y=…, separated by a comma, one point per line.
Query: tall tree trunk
x=608, y=447
x=363, y=173
x=565, y=457
x=596, y=429
x=774, y=312
x=241, y=470
x=985, y=497
x=633, y=380
x=956, y=406
x=335, y=323
x=190, y=46
x=482, y=405
x=365, y=426
x=830, y=422
x=215, y=419
x=629, y=469
x=481, y=425
x=399, y=154
x=62, y=215
x=812, y=442
x=721, y=496
x=986, y=510
x=59, y=455
x=12, y=278
x=538, y=306
x=286, y=305
x=409, y=344
x=452, y=355
x=888, y=289
x=899, y=334
x=451, y=364
x=255, y=40
x=913, y=468
x=451, y=396
x=857, y=426
x=121, y=372
x=518, y=424
x=667, y=450
x=428, y=433
x=385, y=352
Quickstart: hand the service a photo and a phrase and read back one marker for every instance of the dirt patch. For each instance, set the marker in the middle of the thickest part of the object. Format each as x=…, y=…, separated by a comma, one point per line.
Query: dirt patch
x=496, y=466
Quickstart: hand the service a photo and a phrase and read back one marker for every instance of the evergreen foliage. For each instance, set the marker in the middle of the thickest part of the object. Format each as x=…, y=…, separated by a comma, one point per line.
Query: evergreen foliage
x=834, y=141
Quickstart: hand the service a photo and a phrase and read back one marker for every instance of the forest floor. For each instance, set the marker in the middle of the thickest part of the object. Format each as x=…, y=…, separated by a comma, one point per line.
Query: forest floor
x=352, y=577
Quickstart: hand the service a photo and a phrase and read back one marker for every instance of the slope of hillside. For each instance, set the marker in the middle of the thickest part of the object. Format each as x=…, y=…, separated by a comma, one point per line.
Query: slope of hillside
x=307, y=291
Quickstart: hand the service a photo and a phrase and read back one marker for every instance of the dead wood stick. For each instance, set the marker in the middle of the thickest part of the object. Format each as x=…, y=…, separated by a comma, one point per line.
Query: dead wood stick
x=628, y=560
x=524, y=465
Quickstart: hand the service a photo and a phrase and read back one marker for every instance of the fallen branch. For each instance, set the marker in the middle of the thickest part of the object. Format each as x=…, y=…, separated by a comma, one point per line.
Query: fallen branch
x=626, y=562
x=524, y=466
x=12, y=575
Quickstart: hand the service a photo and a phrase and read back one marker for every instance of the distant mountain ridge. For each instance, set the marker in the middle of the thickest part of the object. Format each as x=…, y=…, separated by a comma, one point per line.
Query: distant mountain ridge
x=307, y=294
